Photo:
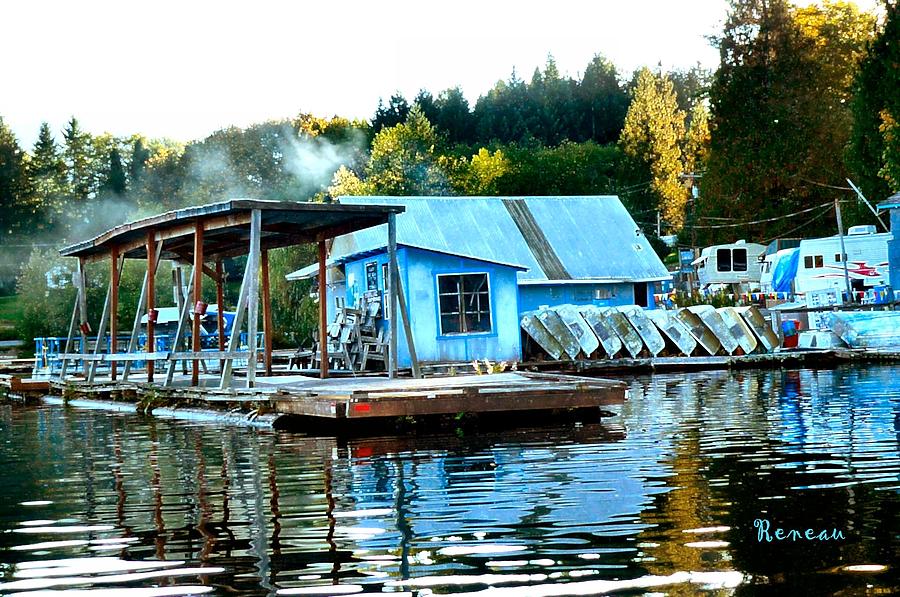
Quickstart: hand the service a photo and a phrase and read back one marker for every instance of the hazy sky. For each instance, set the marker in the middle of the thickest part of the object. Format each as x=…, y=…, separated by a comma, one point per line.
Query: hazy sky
x=184, y=69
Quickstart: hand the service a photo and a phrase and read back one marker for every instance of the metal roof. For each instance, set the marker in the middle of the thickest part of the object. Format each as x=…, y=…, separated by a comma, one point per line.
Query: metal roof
x=891, y=202
x=559, y=239
x=227, y=228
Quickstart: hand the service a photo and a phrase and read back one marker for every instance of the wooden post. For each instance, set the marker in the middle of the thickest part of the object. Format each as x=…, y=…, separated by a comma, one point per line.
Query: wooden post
x=101, y=329
x=70, y=338
x=183, y=322
x=82, y=312
x=114, y=272
x=151, y=300
x=267, y=314
x=180, y=300
x=198, y=296
x=235, y=339
x=220, y=301
x=407, y=328
x=253, y=295
x=323, y=314
x=392, y=300
x=136, y=328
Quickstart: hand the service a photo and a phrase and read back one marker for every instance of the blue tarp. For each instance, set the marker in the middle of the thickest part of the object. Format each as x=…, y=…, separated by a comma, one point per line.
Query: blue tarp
x=785, y=270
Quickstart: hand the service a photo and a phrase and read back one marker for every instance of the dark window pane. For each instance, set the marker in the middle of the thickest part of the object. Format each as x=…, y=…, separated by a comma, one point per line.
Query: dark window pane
x=723, y=260
x=820, y=261
x=808, y=262
x=450, y=324
x=448, y=284
x=739, y=260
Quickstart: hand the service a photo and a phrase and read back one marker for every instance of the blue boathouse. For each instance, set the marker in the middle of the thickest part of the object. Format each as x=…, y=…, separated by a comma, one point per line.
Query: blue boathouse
x=470, y=266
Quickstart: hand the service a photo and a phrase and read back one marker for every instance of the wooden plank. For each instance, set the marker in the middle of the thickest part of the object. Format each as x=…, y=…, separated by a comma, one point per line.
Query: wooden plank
x=198, y=296
x=136, y=327
x=70, y=338
x=253, y=296
x=220, y=301
x=392, y=301
x=407, y=328
x=82, y=311
x=115, y=271
x=267, y=314
x=104, y=320
x=151, y=299
x=323, y=314
x=228, y=369
x=182, y=324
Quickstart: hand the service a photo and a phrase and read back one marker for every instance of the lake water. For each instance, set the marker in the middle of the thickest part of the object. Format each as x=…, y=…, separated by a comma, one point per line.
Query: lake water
x=660, y=499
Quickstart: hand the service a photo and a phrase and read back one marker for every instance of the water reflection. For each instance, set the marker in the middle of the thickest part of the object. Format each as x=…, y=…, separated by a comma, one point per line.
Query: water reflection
x=663, y=495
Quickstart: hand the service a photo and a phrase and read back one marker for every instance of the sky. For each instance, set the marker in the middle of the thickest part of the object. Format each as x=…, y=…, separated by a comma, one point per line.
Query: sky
x=183, y=69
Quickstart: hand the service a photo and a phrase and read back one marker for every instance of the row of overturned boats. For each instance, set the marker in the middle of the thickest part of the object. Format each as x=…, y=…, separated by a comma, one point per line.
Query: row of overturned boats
x=592, y=332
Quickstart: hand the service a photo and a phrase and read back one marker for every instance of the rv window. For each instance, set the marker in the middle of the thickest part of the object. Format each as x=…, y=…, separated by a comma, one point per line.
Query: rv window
x=820, y=261
x=837, y=257
x=808, y=262
x=465, y=305
x=739, y=260
x=723, y=260
x=765, y=267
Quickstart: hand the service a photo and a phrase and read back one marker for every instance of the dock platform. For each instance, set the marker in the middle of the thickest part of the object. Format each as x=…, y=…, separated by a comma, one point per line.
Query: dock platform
x=374, y=399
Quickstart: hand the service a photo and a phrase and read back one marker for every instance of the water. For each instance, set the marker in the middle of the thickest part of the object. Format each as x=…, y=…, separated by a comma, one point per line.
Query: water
x=661, y=499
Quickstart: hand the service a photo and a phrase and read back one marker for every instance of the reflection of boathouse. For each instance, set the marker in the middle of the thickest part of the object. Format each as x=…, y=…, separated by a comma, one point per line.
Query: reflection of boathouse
x=471, y=266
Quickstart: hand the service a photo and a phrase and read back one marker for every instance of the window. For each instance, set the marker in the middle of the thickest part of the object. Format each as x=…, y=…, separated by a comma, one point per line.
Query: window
x=739, y=260
x=723, y=260
x=811, y=261
x=837, y=257
x=385, y=297
x=464, y=302
x=372, y=276
x=766, y=266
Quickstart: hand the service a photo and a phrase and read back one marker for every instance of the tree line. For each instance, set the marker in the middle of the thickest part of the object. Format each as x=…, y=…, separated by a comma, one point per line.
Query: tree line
x=802, y=99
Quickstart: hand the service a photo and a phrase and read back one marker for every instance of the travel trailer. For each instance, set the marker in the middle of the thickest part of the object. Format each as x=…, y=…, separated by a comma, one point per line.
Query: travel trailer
x=820, y=268
x=735, y=264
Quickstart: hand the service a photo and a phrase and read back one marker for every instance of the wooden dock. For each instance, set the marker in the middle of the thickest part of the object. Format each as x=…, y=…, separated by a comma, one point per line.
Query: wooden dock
x=372, y=399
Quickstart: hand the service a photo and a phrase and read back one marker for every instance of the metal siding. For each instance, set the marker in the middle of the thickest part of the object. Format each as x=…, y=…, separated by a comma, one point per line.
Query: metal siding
x=593, y=236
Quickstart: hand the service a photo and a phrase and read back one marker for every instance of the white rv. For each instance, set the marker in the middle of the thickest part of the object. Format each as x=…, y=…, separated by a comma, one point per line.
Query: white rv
x=821, y=267
x=722, y=266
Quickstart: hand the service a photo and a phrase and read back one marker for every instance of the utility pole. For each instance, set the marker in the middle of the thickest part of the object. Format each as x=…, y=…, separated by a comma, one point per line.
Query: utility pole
x=840, y=225
x=869, y=205
x=658, y=224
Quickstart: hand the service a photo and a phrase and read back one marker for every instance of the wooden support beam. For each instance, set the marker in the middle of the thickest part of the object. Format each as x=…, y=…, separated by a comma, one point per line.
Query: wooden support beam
x=83, y=326
x=71, y=337
x=151, y=298
x=323, y=314
x=253, y=295
x=220, y=301
x=183, y=319
x=104, y=321
x=115, y=271
x=139, y=312
x=407, y=328
x=392, y=301
x=234, y=341
x=267, y=314
x=198, y=296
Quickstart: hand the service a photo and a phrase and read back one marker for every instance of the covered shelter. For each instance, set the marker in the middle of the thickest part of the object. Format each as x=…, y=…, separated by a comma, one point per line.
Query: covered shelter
x=203, y=236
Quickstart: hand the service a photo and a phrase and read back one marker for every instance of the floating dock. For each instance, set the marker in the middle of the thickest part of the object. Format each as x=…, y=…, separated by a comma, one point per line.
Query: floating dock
x=312, y=402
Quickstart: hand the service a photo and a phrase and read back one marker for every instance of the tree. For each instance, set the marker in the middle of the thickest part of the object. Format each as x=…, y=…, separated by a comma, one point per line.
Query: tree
x=876, y=110
x=13, y=183
x=779, y=111
x=138, y=162
x=652, y=137
x=603, y=101
x=115, y=182
x=453, y=116
x=696, y=142
x=47, y=172
x=79, y=160
x=391, y=115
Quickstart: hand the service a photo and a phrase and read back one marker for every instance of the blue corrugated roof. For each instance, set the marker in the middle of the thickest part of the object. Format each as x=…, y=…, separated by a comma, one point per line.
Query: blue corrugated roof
x=594, y=237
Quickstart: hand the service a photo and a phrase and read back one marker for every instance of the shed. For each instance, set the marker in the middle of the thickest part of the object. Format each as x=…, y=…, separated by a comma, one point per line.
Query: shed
x=498, y=257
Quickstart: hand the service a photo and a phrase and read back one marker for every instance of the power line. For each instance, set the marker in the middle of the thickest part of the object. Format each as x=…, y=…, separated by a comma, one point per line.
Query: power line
x=751, y=222
x=815, y=218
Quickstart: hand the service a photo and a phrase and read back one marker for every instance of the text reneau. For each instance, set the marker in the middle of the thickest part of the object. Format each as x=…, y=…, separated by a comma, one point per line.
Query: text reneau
x=767, y=534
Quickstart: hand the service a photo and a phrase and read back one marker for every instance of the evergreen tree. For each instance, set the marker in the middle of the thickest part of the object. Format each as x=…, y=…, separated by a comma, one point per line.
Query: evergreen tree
x=603, y=102
x=13, y=184
x=79, y=160
x=115, y=182
x=876, y=110
x=391, y=115
x=47, y=172
x=652, y=137
x=138, y=162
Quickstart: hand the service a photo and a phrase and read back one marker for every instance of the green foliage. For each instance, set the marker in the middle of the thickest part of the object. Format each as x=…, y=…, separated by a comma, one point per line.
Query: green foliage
x=872, y=155
x=294, y=311
x=718, y=299
x=780, y=116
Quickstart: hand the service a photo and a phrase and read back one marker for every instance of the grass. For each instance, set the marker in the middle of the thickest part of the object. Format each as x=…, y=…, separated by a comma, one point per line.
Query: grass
x=10, y=316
